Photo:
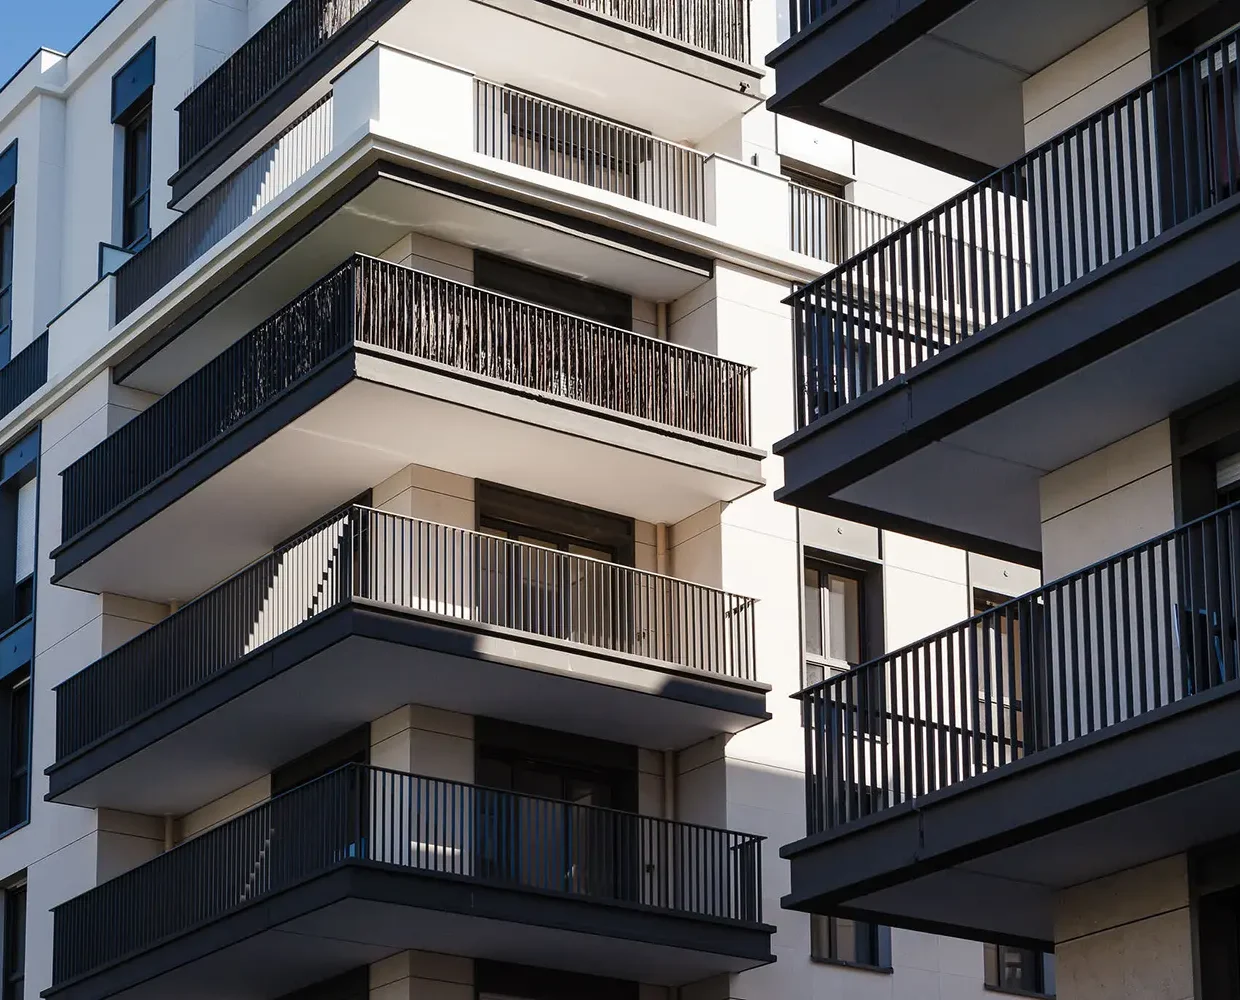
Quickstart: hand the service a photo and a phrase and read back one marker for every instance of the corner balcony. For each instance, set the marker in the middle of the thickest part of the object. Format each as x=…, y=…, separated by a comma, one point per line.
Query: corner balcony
x=1065, y=302
x=606, y=54
x=377, y=367
x=368, y=611
x=254, y=907
x=937, y=81
x=957, y=784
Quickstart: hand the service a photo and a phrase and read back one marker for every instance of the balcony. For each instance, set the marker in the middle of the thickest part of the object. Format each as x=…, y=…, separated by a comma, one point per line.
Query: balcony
x=377, y=367
x=254, y=906
x=938, y=81
x=1070, y=299
x=23, y=375
x=368, y=611
x=695, y=52
x=1086, y=728
x=831, y=229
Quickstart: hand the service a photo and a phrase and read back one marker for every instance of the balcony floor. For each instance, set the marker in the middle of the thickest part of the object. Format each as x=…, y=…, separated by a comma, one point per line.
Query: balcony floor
x=983, y=859
x=350, y=666
x=362, y=913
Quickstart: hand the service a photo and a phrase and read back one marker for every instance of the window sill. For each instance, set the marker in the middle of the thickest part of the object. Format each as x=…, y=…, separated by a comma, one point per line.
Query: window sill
x=1000, y=991
x=882, y=970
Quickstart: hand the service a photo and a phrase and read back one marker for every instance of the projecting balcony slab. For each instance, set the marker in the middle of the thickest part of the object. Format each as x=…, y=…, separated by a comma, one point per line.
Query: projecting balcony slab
x=370, y=611
x=255, y=906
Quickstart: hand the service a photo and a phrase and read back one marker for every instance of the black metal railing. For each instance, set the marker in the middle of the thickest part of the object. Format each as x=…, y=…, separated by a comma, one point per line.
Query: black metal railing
x=442, y=829
x=266, y=60
x=832, y=229
x=718, y=26
x=1143, y=629
x=24, y=374
x=803, y=13
x=1155, y=158
x=416, y=566
x=245, y=192
x=375, y=303
x=532, y=132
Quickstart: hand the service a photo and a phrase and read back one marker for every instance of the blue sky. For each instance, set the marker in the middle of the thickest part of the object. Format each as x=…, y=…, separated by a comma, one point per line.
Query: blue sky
x=56, y=24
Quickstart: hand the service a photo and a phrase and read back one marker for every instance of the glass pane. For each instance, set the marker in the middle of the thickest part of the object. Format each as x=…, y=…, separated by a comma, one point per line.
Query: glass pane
x=1018, y=969
x=846, y=940
x=843, y=620
x=813, y=612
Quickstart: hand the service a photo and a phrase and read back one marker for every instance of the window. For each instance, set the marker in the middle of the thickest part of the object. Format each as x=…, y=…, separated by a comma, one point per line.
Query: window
x=1020, y=970
x=815, y=182
x=15, y=720
x=136, y=185
x=556, y=291
x=999, y=674
x=834, y=619
x=850, y=942
x=6, y=282
x=15, y=942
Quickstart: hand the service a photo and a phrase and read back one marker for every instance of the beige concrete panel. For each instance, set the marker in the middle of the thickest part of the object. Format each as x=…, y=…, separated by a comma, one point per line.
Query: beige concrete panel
x=926, y=558
x=917, y=605
x=835, y=536
x=1150, y=959
x=1106, y=90
x=1122, y=898
x=1114, y=522
x=1003, y=578
x=224, y=808
x=650, y=794
x=120, y=852
x=1107, y=469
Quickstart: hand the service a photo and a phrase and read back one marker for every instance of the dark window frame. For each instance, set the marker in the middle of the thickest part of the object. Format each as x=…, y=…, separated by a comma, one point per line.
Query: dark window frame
x=136, y=175
x=560, y=292
x=14, y=958
x=8, y=251
x=1043, y=971
x=879, y=944
x=16, y=707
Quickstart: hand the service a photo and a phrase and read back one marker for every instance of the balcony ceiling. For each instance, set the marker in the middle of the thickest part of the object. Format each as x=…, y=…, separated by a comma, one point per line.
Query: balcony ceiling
x=599, y=64
x=951, y=96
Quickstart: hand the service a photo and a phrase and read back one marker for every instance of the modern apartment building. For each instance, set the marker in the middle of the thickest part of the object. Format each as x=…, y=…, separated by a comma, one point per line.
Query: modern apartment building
x=393, y=598
x=1044, y=364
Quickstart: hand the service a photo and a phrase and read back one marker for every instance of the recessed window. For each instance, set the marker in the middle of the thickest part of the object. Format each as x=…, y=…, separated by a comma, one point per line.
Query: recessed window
x=834, y=619
x=850, y=942
x=6, y=282
x=15, y=942
x=1024, y=971
x=15, y=720
x=136, y=185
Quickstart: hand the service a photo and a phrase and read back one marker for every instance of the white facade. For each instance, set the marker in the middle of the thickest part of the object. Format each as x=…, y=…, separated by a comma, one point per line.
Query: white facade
x=413, y=107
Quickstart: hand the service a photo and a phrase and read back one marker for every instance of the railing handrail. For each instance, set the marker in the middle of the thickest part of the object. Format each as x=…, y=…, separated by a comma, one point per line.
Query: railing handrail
x=305, y=789
x=1042, y=148
x=999, y=609
x=741, y=602
x=852, y=205
x=530, y=304
x=568, y=109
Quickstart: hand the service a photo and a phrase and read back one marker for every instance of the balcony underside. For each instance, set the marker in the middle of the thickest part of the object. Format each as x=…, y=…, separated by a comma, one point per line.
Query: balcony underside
x=955, y=449
x=938, y=81
x=355, y=664
x=984, y=858
x=361, y=914
x=590, y=61
x=359, y=420
x=371, y=214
